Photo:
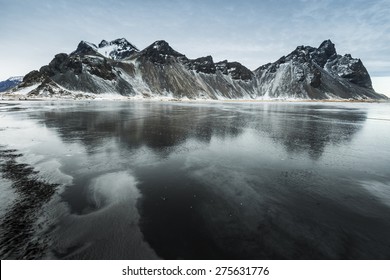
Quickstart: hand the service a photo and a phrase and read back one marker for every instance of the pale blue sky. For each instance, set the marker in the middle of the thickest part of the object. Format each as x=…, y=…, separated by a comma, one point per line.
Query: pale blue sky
x=252, y=32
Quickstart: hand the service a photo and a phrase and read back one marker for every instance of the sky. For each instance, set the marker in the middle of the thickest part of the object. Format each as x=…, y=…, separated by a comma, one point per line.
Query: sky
x=252, y=32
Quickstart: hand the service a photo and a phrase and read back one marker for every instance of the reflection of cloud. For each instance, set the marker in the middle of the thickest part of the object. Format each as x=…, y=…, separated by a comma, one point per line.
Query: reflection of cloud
x=113, y=213
x=379, y=190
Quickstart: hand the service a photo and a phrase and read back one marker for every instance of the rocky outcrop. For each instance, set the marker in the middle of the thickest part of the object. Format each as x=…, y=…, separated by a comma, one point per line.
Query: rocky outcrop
x=236, y=70
x=351, y=69
x=202, y=65
x=160, y=52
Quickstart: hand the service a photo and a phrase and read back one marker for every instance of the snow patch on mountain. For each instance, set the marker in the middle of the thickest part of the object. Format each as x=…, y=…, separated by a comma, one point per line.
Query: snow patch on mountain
x=25, y=90
x=117, y=49
x=16, y=79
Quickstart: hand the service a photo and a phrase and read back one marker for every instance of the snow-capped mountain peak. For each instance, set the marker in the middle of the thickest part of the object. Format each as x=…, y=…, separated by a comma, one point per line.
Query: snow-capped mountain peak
x=117, y=49
x=162, y=47
x=85, y=48
x=103, y=44
x=161, y=52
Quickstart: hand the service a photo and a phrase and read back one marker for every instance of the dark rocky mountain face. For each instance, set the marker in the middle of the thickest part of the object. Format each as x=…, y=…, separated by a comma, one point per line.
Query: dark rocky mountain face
x=236, y=70
x=316, y=73
x=351, y=69
x=160, y=52
x=118, y=67
x=325, y=52
x=10, y=83
x=85, y=48
x=203, y=65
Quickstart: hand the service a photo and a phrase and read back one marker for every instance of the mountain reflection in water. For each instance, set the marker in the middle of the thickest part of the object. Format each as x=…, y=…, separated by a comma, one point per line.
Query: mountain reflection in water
x=161, y=127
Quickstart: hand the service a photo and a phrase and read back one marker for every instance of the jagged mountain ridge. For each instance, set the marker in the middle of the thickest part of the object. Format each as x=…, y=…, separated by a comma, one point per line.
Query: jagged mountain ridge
x=320, y=73
x=158, y=70
x=117, y=49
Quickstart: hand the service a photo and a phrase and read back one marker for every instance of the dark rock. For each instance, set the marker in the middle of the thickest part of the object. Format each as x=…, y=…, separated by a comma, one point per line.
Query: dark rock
x=103, y=70
x=235, y=69
x=85, y=48
x=203, y=64
x=33, y=78
x=75, y=64
x=103, y=44
x=161, y=52
x=62, y=63
x=57, y=64
x=326, y=51
x=352, y=70
x=316, y=80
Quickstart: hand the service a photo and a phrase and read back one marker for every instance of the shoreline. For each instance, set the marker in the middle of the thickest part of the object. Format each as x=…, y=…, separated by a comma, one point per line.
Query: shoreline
x=169, y=99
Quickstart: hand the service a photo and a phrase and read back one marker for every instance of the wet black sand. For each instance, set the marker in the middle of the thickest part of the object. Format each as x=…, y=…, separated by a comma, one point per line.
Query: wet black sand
x=198, y=181
x=18, y=226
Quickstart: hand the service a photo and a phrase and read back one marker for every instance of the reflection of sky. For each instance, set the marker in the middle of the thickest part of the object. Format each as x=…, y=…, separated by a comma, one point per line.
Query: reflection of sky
x=251, y=32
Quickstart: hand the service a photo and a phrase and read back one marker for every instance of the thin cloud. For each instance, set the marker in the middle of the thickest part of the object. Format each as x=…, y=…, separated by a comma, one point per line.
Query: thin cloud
x=251, y=32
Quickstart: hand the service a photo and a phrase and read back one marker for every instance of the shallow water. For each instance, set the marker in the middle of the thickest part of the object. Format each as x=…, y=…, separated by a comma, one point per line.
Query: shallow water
x=145, y=180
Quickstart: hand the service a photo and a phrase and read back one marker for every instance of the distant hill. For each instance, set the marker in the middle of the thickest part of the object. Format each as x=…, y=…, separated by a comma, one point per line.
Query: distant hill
x=10, y=83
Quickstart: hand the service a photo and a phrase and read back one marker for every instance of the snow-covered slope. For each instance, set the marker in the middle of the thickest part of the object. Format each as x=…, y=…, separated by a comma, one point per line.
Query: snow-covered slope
x=119, y=68
x=10, y=83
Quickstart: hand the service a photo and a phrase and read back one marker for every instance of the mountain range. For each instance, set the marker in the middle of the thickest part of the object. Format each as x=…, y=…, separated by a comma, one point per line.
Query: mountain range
x=120, y=68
